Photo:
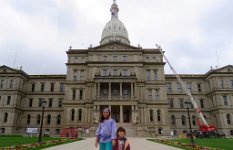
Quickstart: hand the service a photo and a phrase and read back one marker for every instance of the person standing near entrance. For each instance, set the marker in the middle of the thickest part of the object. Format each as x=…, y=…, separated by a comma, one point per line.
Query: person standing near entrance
x=106, y=131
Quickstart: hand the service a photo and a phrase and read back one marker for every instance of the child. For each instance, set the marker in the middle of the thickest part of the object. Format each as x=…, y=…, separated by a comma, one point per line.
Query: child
x=106, y=131
x=121, y=142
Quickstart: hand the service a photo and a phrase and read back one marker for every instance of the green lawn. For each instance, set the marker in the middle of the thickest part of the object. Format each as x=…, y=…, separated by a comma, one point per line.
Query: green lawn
x=225, y=144
x=16, y=140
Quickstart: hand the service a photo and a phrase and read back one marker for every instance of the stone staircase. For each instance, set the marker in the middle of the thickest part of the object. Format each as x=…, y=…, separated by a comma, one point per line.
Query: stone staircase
x=130, y=129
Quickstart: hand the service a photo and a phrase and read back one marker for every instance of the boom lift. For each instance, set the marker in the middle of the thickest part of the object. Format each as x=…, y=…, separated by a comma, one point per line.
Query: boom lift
x=205, y=128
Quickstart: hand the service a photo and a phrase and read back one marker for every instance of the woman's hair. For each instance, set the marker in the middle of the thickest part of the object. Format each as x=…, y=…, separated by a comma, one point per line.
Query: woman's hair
x=102, y=118
x=121, y=129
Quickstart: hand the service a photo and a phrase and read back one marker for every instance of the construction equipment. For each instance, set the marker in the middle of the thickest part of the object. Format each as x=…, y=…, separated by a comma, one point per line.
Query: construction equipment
x=205, y=127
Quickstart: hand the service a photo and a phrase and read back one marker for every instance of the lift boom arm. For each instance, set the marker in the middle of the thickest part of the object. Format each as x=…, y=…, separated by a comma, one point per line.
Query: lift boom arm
x=184, y=88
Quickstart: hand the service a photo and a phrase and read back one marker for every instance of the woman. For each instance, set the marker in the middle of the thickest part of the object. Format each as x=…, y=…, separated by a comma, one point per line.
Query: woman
x=106, y=131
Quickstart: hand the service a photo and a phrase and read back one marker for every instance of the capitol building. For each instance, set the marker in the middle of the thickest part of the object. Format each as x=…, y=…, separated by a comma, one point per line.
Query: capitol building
x=129, y=80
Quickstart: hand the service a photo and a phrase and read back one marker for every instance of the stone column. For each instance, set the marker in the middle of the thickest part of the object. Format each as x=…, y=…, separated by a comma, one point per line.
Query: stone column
x=133, y=112
x=132, y=94
x=95, y=91
x=155, y=116
x=109, y=91
x=120, y=90
x=121, y=114
x=98, y=95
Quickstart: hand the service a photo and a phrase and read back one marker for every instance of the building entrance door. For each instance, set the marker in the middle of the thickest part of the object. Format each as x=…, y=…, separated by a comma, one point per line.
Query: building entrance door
x=127, y=113
x=115, y=113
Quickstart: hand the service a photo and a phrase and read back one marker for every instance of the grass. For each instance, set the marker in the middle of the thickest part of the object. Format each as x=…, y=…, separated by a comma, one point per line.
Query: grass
x=16, y=140
x=19, y=140
x=226, y=144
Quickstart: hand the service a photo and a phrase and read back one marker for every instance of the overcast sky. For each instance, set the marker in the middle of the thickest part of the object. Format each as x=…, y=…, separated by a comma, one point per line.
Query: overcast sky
x=195, y=34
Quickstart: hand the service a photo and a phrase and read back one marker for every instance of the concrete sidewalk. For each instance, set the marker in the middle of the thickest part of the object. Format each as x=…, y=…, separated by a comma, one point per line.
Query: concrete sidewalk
x=135, y=143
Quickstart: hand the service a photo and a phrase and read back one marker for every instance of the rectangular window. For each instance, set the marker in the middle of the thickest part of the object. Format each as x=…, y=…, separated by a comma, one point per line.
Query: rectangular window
x=151, y=116
x=157, y=94
x=221, y=83
x=105, y=91
x=189, y=85
x=73, y=94
x=199, y=87
x=33, y=87
x=105, y=72
x=2, y=130
x=52, y=87
x=2, y=83
x=155, y=74
x=202, y=103
x=50, y=102
x=171, y=102
x=60, y=102
x=225, y=100
x=178, y=85
x=124, y=58
x=81, y=94
x=62, y=87
x=30, y=102
x=42, y=87
x=40, y=102
x=169, y=87
x=114, y=58
x=11, y=83
x=125, y=92
x=125, y=72
x=181, y=102
x=105, y=58
x=147, y=74
x=8, y=100
x=114, y=72
x=115, y=92
x=149, y=94
x=231, y=83
x=74, y=78
x=82, y=75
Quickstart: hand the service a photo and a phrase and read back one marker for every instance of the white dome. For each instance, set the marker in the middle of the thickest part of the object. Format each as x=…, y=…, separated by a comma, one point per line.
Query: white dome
x=114, y=30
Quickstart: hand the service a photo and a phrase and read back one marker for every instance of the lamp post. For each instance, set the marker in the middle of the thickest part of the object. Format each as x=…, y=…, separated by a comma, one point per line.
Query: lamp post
x=43, y=102
x=188, y=106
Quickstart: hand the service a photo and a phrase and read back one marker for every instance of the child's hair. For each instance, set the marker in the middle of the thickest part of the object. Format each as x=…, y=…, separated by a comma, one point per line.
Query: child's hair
x=121, y=129
x=102, y=116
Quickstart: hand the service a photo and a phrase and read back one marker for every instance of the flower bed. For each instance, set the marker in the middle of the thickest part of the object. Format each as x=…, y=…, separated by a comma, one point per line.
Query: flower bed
x=183, y=145
x=38, y=145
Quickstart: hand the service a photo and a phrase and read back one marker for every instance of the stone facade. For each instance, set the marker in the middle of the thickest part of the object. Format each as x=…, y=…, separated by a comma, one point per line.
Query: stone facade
x=129, y=80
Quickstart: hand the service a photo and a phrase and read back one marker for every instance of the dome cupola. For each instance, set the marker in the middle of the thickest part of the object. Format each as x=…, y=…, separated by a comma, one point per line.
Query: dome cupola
x=114, y=30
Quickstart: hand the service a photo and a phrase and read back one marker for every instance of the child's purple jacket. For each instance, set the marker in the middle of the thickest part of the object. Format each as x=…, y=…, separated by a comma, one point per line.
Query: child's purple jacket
x=106, y=131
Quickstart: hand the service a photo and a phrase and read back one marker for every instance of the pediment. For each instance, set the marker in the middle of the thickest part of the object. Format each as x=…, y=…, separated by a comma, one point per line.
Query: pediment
x=228, y=68
x=115, y=46
x=6, y=69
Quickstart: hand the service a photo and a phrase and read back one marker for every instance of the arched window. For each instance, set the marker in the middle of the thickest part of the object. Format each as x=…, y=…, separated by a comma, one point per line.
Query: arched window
x=59, y=119
x=194, y=120
x=80, y=115
x=158, y=115
x=5, y=117
x=72, y=114
x=183, y=120
x=216, y=120
x=28, y=119
x=173, y=120
x=38, y=119
x=228, y=119
x=151, y=115
x=49, y=119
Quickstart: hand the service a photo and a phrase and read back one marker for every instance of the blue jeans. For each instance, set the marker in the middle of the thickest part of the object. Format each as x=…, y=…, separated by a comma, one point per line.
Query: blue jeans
x=106, y=146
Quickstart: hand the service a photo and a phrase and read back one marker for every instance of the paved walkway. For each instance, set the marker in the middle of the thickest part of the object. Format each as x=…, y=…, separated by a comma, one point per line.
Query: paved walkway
x=135, y=143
